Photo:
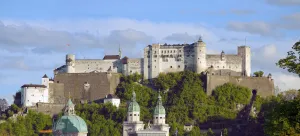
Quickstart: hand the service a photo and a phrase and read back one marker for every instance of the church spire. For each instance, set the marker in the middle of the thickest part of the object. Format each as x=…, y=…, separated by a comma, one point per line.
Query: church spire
x=70, y=108
x=159, y=112
x=133, y=99
x=159, y=102
x=120, y=52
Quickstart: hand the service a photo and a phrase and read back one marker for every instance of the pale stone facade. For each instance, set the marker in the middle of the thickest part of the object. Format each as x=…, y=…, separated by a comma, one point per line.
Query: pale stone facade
x=175, y=58
x=165, y=58
x=114, y=100
x=32, y=94
x=46, y=92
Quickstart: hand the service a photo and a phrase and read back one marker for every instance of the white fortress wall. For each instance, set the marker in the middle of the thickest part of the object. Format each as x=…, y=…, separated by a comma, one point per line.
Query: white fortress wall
x=232, y=62
x=89, y=65
x=135, y=66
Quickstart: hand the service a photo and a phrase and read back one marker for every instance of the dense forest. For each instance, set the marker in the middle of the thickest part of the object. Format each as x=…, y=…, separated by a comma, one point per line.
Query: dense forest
x=185, y=102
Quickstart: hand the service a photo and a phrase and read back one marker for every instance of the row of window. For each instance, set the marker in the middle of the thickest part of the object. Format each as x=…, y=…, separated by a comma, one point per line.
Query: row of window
x=186, y=66
x=170, y=66
x=134, y=114
x=165, y=56
x=168, y=51
x=33, y=95
x=223, y=66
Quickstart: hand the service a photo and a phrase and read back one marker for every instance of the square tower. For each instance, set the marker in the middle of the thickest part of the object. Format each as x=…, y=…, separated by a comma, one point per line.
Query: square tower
x=245, y=53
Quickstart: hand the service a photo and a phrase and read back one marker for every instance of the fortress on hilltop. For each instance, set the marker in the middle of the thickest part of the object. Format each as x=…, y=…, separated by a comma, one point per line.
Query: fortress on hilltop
x=87, y=80
x=161, y=58
x=164, y=58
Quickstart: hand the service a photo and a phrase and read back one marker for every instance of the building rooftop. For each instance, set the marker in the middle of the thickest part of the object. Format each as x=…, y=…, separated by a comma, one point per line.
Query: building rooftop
x=111, y=57
x=45, y=76
x=33, y=85
x=111, y=96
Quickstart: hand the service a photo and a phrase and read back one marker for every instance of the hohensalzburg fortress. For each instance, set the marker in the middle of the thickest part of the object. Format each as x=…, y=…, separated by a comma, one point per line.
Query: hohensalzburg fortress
x=163, y=58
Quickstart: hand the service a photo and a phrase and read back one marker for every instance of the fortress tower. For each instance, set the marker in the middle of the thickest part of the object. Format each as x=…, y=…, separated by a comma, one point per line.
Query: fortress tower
x=45, y=81
x=245, y=53
x=70, y=63
x=200, y=56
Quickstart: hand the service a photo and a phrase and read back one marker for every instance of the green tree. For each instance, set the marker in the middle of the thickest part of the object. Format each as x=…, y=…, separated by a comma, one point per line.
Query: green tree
x=283, y=118
x=292, y=61
x=210, y=132
x=225, y=132
x=195, y=132
x=258, y=73
x=30, y=125
x=229, y=95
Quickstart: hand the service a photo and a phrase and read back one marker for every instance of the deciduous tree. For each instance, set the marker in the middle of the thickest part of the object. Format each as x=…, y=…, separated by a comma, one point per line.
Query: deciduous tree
x=258, y=73
x=292, y=61
x=3, y=105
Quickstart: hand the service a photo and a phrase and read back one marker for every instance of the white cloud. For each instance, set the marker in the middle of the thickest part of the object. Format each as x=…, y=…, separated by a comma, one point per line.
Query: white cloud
x=43, y=40
x=284, y=2
x=233, y=12
x=256, y=27
x=270, y=51
x=290, y=22
x=286, y=81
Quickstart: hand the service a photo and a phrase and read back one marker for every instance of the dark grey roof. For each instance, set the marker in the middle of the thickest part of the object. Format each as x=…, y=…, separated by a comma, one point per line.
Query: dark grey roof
x=110, y=96
x=188, y=124
x=45, y=76
x=33, y=85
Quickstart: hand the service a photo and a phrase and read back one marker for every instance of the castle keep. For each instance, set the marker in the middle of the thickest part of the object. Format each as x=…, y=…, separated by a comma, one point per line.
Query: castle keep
x=163, y=59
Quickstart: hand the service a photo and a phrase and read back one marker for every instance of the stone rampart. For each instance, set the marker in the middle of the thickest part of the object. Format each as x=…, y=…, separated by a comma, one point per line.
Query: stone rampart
x=263, y=85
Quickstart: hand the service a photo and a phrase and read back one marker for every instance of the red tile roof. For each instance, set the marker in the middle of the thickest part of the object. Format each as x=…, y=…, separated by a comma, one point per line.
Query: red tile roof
x=111, y=57
x=125, y=60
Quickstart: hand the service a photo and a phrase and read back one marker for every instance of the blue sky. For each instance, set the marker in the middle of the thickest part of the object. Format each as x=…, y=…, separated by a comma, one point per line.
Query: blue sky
x=34, y=33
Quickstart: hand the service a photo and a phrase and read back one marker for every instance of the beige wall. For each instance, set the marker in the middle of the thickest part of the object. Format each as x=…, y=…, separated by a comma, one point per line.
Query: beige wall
x=56, y=93
x=264, y=85
x=48, y=108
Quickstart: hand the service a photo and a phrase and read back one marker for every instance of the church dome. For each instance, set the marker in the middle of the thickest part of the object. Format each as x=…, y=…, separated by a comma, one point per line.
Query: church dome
x=133, y=105
x=159, y=108
x=70, y=122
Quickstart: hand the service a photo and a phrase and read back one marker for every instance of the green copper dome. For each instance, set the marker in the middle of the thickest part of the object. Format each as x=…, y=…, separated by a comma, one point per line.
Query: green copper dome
x=133, y=105
x=70, y=122
x=159, y=109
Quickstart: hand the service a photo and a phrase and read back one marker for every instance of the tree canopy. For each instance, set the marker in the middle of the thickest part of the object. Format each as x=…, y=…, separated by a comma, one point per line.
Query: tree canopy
x=292, y=61
x=3, y=105
x=30, y=125
x=258, y=74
